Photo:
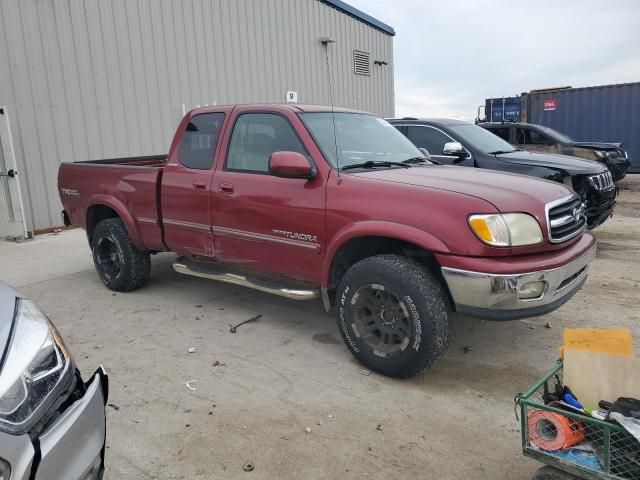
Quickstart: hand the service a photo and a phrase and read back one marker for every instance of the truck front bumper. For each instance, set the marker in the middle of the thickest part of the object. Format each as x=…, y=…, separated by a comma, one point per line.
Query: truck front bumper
x=511, y=296
x=72, y=448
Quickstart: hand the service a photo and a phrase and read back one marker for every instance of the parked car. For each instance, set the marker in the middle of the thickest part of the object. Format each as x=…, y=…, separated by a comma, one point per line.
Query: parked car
x=538, y=138
x=308, y=201
x=52, y=424
x=456, y=142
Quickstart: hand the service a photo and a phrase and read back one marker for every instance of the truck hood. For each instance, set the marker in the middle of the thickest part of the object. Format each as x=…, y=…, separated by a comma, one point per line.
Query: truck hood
x=598, y=145
x=571, y=165
x=507, y=192
x=7, y=311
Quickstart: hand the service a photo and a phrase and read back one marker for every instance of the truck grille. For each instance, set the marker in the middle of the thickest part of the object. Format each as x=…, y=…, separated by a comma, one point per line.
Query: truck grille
x=602, y=181
x=565, y=218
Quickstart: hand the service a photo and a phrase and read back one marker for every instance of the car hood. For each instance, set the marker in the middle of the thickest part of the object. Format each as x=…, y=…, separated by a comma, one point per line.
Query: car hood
x=508, y=192
x=598, y=145
x=571, y=165
x=7, y=311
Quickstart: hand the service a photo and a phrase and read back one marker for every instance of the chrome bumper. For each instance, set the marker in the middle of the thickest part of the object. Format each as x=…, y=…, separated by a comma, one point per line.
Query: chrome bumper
x=497, y=296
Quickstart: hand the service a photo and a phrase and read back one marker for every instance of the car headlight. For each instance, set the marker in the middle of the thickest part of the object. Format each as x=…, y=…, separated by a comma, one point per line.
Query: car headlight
x=506, y=229
x=601, y=154
x=37, y=369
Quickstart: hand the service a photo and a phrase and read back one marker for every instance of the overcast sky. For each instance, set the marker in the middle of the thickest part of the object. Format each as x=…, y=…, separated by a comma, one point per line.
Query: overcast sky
x=451, y=55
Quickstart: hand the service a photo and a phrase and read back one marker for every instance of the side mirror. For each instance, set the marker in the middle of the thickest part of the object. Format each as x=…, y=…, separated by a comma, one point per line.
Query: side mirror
x=454, y=149
x=425, y=152
x=290, y=165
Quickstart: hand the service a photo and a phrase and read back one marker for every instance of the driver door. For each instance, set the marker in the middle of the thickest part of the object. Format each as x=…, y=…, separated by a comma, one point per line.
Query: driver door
x=260, y=221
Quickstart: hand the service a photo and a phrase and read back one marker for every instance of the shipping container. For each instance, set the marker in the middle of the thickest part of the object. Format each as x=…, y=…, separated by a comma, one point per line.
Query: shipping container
x=508, y=108
x=606, y=113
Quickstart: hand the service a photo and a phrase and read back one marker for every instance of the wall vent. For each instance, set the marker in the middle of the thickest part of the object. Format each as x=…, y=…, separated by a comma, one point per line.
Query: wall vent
x=361, y=63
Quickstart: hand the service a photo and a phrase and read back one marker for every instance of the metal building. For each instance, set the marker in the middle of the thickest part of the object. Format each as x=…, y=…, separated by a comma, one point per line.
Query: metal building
x=93, y=79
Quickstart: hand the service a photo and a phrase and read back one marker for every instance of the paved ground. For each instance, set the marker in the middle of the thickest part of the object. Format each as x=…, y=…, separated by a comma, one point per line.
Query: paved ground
x=289, y=371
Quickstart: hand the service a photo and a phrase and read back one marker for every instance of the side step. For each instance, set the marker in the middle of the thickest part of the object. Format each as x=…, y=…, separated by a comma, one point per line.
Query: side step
x=237, y=276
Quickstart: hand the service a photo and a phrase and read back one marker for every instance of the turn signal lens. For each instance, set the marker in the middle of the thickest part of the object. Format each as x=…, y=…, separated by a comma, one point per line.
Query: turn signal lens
x=491, y=229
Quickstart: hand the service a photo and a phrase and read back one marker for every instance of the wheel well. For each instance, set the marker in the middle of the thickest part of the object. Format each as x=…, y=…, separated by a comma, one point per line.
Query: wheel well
x=95, y=215
x=360, y=248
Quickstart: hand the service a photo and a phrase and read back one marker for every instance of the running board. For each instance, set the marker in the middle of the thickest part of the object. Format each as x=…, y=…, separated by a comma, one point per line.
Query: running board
x=227, y=274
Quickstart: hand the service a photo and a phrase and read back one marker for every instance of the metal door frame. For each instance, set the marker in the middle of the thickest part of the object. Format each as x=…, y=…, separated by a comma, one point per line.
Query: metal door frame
x=8, y=150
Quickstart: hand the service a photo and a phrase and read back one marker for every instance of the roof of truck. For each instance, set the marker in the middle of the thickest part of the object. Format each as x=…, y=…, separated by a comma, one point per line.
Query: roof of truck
x=294, y=107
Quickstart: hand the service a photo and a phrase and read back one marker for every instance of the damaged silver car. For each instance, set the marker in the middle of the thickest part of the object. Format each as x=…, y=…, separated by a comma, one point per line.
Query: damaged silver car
x=52, y=424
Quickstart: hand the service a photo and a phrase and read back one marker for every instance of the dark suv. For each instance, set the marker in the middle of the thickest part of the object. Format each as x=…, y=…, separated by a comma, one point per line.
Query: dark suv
x=538, y=138
x=456, y=142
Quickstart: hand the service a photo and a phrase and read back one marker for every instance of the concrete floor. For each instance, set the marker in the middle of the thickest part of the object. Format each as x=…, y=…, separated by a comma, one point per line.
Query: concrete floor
x=257, y=390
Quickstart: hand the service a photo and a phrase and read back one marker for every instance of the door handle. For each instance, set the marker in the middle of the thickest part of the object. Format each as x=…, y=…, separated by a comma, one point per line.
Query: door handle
x=198, y=184
x=225, y=188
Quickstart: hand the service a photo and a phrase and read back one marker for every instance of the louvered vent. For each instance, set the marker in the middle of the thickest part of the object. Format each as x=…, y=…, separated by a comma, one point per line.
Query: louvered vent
x=361, y=63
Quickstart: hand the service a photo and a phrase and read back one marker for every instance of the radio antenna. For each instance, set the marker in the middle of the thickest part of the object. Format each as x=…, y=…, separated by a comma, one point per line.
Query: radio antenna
x=325, y=41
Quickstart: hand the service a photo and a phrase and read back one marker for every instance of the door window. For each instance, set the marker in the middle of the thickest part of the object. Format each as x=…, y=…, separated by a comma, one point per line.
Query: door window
x=255, y=137
x=429, y=138
x=503, y=133
x=526, y=136
x=199, y=140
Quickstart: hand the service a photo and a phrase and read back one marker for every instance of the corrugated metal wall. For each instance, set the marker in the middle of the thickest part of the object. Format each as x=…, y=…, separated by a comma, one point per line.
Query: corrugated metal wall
x=605, y=113
x=94, y=79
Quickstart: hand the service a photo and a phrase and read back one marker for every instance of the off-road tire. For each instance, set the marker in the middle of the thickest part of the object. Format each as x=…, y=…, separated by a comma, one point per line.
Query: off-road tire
x=424, y=298
x=135, y=264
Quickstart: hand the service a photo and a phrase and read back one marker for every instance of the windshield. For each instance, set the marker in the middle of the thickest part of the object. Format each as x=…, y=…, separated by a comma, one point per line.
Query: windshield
x=480, y=139
x=557, y=136
x=358, y=138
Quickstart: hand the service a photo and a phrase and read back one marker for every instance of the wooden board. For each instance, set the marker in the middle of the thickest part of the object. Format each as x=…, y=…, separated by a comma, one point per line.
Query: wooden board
x=594, y=376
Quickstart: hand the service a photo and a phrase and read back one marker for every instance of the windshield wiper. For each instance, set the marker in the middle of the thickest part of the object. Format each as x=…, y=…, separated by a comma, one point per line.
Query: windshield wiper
x=415, y=160
x=375, y=164
x=421, y=160
x=500, y=152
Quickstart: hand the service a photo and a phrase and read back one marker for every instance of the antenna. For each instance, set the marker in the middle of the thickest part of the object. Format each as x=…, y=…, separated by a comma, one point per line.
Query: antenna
x=325, y=41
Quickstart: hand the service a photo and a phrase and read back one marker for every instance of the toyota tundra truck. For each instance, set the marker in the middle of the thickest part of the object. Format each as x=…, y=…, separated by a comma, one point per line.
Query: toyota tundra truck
x=309, y=201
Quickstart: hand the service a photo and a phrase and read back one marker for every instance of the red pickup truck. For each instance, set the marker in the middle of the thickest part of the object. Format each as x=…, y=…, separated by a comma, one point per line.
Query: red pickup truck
x=309, y=201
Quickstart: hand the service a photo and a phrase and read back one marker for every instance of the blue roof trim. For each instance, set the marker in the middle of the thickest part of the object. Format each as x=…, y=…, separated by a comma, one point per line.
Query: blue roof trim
x=360, y=15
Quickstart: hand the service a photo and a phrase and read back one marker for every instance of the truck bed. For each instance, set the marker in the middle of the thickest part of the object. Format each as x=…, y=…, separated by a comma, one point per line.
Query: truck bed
x=125, y=187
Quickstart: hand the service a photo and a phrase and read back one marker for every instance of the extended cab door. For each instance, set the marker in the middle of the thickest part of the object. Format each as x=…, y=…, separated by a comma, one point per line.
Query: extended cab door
x=185, y=195
x=263, y=222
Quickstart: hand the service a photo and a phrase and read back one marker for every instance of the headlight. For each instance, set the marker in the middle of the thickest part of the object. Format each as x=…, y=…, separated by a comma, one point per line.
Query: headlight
x=37, y=368
x=601, y=154
x=507, y=229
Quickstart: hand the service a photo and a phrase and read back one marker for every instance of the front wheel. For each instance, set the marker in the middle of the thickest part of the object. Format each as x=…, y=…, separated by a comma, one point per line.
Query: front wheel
x=393, y=315
x=120, y=265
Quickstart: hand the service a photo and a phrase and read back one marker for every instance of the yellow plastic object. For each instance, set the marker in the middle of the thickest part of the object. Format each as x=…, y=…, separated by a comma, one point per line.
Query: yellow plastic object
x=611, y=341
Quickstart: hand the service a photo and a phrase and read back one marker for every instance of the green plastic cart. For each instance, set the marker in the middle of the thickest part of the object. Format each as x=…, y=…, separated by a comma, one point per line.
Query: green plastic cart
x=615, y=453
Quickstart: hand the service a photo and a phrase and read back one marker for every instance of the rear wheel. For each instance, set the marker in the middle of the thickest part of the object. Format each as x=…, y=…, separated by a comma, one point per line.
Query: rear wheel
x=120, y=265
x=393, y=315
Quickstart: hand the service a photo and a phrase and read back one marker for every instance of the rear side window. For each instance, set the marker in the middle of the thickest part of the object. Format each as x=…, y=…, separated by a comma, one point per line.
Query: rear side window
x=255, y=137
x=198, y=144
x=430, y=138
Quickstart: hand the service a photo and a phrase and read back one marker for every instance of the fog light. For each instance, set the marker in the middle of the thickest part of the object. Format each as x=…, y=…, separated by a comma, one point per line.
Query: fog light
x=532, y=290
x=5, y=470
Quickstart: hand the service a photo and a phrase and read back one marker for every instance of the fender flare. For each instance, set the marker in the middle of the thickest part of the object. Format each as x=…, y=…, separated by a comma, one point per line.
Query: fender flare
x=374, y=228
x=122, y=211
